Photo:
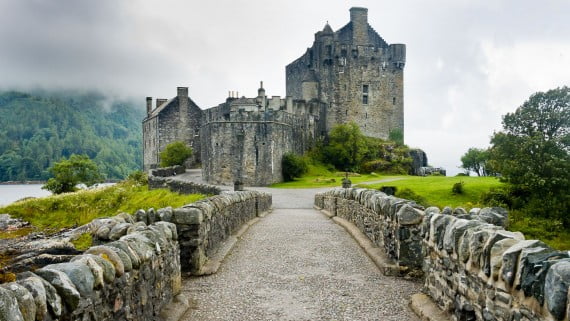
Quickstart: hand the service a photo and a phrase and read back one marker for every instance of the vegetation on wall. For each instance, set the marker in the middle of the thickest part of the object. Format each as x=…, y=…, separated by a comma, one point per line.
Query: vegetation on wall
x=41, y=128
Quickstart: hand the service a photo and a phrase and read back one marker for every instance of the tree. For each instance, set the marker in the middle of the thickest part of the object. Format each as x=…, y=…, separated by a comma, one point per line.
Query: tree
x=293, y=166
x=67, y=173
x=533, y=151
x=475, y=159
x=175, y=153
x=346, y=147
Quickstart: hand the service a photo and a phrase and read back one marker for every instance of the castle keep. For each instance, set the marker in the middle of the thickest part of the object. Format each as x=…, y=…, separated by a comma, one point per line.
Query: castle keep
x=348, y=75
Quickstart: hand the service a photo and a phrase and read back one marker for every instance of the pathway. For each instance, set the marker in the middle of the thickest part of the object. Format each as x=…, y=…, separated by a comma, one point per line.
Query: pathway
x=296, y=264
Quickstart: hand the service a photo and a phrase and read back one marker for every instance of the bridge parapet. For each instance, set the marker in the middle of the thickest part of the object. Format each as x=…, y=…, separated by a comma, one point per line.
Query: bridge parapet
x=472, y=269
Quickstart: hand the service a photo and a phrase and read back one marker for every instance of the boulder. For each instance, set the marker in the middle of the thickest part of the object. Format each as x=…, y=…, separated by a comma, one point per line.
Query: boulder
x=556, y=289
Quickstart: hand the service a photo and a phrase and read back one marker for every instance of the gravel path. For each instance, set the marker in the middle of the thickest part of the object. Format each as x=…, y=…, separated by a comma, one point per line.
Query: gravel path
x=295, y=264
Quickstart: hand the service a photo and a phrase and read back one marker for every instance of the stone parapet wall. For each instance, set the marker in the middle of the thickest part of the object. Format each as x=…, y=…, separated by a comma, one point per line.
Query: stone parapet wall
x=391, y=223
x=204, y=225
x=472, y=269
x=182, y=187
x=168, y=171
x=131, y=278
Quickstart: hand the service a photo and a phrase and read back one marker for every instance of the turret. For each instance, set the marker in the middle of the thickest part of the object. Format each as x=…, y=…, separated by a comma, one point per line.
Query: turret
x=148, y=105
x=398, y=55
x=359, y=20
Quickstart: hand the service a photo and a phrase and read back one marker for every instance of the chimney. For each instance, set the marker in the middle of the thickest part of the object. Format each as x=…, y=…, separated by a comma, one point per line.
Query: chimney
x=182, y=92
x=359, y=20
x=160, y=101
x=148, y=105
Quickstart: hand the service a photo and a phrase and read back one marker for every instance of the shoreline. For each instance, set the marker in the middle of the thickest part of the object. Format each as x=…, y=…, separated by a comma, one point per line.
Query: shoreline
x=43, y=182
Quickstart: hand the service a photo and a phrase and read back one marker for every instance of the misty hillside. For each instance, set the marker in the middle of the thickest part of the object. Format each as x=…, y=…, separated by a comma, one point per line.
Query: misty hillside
x=38, y=129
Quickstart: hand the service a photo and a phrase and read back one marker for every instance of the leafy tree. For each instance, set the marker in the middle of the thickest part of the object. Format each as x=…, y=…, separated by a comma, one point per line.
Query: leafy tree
x=78, y=169
x=347, y=146
x=533, y=152
x=175, y=153
x=475, y=159
x=293, y=166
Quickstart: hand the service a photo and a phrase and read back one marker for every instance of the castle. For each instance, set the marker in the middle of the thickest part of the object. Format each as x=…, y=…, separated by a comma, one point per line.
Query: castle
x=348, y=75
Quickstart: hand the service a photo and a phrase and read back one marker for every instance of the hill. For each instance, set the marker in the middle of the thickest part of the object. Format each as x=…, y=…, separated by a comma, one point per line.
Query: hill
x=39, y=128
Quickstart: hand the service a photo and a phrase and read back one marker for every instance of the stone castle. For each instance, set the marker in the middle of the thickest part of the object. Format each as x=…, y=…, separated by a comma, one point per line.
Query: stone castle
x=348, y=75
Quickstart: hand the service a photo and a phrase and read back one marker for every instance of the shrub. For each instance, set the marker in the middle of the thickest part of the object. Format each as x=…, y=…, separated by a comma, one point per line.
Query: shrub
x=175, y=153
x=408, y=194
x=293, y=166
x=457, y=188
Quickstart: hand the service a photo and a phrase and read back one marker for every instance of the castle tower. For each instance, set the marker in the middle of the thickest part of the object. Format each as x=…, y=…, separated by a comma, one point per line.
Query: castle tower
x=356, y=73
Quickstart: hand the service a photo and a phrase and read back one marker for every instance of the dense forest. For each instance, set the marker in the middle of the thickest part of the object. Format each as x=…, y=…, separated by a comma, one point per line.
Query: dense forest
x=38, y=129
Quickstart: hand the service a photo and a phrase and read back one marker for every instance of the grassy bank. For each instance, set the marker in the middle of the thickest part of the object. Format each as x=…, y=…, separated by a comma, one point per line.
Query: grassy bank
x=73, y=209
x=436, y=190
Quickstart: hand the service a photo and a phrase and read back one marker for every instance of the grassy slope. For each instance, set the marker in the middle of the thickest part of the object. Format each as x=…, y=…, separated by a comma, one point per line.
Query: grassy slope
x=67, y=210
x=437, y=189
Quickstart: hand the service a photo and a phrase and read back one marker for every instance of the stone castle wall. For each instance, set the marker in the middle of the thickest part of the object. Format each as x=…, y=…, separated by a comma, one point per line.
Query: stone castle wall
x=249, y=145
x=473, y=268
x=356, y=73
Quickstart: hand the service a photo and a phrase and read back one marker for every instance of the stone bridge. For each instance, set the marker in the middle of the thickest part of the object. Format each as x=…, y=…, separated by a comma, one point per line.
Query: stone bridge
x=298, y=254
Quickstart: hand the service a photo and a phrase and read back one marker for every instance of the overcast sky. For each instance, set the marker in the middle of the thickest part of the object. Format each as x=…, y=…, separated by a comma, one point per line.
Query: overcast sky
x=468, y=61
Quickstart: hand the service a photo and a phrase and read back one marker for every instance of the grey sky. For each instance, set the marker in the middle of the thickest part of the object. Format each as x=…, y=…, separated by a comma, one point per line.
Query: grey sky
x=468, y=62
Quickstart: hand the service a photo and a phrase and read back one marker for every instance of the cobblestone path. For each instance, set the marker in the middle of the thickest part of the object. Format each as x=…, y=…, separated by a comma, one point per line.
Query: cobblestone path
x=296, y=264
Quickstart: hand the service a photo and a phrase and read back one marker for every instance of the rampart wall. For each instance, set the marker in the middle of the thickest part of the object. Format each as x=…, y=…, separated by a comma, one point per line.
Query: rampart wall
x=473, y=268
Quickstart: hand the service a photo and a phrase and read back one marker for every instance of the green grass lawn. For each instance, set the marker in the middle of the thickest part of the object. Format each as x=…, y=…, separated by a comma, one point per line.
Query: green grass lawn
x=436, y=190
x=73, y=209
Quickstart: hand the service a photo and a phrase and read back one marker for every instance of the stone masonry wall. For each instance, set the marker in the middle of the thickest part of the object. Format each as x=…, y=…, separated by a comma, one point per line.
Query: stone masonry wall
x=202, y=226
x=130, y=278
x=168, y=171
x=182, y=187
x=473, y=268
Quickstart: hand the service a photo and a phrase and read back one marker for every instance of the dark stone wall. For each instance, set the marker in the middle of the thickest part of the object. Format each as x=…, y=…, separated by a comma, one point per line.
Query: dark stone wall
x=131, y=278
x=182, y=187
x=473, y=268
x=341, y=65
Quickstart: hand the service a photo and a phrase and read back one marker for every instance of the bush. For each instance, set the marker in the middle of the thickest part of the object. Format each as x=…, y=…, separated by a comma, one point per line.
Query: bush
x=138, y=178
x=457, y=188
x=293, y=166
x=175, y=153
x=408, y=194
x=68, y=173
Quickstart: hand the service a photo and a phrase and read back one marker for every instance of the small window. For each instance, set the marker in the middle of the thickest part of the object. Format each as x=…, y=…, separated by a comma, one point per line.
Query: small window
x=394, y=101
x=364, y=89
x=365, y=99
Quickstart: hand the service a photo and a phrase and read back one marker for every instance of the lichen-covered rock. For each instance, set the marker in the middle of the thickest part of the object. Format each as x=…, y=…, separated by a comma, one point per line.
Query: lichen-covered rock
x=109, y=255
x=124, y=246
x=141, y=245
x=459, y=211
x=187, y=216
x=475, y=211
x=496, y=255
x=511, y=258
x=141, y=216
x=534, y=269
x=108, y=267
x=447, y=211
x=453, y=233
x=407, y=215
x=26, y=303
x=556, y=289
x=95, y=268
x=79, y=274
x=9, y=310
x=165, y=214
x=493, y=215
x=119, y=230
x=126, y=217
x=127, y=263
x=65, y=288
x=152, y=216
x=102, y=227
x=137, y=227
x=38, y=293
x=432, y=210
